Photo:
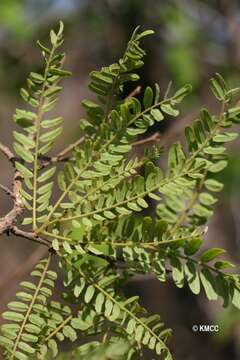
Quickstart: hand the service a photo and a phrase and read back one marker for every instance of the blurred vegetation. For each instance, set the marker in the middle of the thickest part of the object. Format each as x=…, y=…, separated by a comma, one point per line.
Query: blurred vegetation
x=194, y=39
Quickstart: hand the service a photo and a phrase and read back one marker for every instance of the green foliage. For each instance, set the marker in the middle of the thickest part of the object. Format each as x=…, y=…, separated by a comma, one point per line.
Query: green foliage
x=113, y=348
x=93, y=225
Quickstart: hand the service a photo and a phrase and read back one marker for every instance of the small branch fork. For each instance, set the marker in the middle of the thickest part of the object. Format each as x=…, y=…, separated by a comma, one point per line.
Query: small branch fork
x=62, y=156
x=10, y=218
x=8, y=222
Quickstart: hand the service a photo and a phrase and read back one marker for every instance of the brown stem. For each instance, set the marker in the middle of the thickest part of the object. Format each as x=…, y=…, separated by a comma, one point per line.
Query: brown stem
x=7, y=152
x=62, y=155
x=29, y=236
x=10, y=218
x=7, y=191
x=7, y=223
x=135, y=92
x=153, y=138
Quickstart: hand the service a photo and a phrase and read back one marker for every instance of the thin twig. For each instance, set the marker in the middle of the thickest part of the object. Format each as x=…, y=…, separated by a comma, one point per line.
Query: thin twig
x=7, y=152
x=156, y=137
x=69, y=148
x=7, y=191
x=135, y=92
x=62, y=155
x=29, y=236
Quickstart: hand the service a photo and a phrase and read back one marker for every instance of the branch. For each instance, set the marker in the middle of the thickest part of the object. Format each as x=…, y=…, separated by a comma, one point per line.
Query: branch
x=62, y=155
x=7, y=152
x=135, y=92
x=64, y=152
x=29, y=236
x=10, y=218
x=7, y=191
x=156, y=137
x=7, y=223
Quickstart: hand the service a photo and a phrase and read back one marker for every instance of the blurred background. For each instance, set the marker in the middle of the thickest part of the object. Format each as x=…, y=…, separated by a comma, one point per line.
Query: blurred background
x=193, y=40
